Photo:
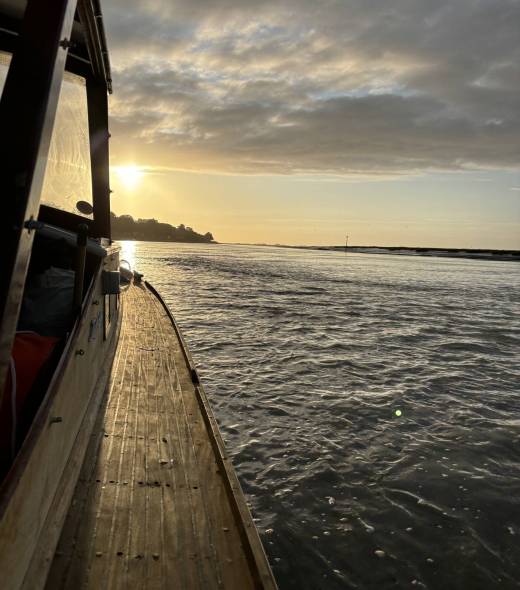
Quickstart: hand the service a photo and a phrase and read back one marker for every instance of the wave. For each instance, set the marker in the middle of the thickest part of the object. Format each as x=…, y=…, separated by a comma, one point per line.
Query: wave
x=388, y=385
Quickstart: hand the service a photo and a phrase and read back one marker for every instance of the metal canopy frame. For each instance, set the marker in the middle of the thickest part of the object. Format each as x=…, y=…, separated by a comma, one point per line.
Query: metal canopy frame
x=88, y=55
x=45, y=43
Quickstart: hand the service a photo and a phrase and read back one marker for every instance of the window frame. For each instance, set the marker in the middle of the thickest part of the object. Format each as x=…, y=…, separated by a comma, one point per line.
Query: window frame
x=39, y=45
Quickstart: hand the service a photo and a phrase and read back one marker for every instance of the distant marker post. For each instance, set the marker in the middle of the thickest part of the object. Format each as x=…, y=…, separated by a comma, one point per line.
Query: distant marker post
x=398, y=413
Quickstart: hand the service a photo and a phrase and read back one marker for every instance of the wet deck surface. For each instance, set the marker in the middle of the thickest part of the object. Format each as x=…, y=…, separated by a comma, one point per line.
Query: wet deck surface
x=150, y=509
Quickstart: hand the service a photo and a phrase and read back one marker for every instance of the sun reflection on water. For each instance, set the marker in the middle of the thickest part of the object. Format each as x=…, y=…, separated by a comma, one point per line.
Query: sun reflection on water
x=127, y=253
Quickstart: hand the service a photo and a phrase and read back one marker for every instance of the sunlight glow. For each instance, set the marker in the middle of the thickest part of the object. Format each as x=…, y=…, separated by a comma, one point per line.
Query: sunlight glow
x=127, y=254
x=130, y=176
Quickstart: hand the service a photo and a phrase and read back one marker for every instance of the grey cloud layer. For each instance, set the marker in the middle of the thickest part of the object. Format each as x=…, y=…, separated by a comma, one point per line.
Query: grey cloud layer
x=349, y=87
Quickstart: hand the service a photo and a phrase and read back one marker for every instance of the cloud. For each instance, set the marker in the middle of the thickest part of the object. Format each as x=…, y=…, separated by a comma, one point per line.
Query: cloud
x=341, y=87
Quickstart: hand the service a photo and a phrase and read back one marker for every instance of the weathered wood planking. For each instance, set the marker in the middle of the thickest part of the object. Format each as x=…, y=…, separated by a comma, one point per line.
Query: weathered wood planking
x=260, y=570
x=152, y=508
x=35, y=495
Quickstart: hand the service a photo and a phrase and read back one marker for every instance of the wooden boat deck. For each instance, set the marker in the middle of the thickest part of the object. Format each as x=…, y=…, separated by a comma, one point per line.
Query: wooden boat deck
x=157, y=504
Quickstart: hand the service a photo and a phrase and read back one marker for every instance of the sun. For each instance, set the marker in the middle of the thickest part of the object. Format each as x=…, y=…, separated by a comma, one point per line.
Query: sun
x=130, y=176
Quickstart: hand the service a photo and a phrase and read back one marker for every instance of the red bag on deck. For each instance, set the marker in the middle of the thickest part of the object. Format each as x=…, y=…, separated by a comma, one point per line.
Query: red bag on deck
x=29, y=354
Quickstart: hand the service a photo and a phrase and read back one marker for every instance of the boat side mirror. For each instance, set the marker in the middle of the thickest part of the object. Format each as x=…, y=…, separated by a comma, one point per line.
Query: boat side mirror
x=84, y=207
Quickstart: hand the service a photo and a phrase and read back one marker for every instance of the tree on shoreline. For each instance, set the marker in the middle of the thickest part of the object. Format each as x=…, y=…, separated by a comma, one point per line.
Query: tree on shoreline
x=125, y=227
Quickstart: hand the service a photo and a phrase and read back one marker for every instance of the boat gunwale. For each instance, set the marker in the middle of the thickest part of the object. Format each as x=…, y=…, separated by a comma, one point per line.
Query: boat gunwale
x=253, y=548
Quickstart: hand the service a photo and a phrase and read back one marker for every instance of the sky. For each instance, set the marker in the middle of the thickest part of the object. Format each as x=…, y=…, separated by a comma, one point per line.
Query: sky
x=396, y=122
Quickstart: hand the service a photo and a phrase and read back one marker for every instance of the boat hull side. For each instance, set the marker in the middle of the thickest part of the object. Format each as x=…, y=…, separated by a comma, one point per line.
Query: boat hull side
x=35, y=495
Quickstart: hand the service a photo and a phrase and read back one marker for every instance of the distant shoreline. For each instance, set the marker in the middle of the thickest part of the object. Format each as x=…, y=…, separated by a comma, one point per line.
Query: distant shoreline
x=467, y=253
x=474, y=254
x=118, y=238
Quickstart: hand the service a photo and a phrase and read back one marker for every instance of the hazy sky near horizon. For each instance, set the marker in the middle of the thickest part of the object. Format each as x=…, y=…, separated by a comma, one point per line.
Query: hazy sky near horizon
x=395, y=121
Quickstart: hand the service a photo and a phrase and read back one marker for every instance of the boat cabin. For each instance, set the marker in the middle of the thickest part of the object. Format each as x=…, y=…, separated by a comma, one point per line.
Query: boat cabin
x=59, y=279
x=54, y=77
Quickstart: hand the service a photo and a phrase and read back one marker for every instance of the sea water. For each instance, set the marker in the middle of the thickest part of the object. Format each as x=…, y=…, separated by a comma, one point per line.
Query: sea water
x=370, y=403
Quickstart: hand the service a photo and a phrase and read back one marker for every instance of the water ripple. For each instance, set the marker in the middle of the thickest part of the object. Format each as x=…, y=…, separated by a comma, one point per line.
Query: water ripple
x=370, y=404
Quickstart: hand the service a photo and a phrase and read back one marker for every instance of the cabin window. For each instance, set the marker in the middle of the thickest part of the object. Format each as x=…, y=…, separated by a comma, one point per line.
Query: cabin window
x=68, y=178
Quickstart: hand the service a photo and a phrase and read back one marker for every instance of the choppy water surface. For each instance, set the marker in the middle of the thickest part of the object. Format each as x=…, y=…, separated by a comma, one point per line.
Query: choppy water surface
x=308, y=357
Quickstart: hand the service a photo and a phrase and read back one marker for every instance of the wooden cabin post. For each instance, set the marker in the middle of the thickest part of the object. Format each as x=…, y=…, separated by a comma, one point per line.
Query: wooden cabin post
x=97, y=96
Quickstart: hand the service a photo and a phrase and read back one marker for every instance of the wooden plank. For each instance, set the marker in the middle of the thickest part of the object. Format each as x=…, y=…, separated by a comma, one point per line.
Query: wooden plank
x=159, y=513
x=77, y=539
x=253, y=549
